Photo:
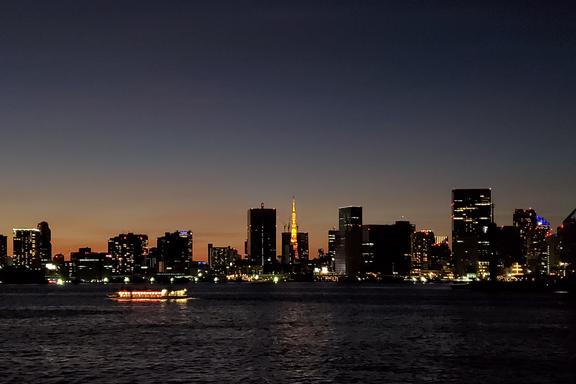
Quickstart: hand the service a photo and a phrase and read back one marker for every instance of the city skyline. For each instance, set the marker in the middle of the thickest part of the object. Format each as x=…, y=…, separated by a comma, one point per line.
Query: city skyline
x=146, y=117
x=201, y=252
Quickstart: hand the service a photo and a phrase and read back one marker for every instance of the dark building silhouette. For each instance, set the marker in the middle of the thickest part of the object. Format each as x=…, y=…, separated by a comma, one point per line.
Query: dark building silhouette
x=349, y=250
x=128, y=251
x=288, y=253
x=472, y=216
x=387, y=248
x=525, y=221
x=223, y=260
x=567, y=243
x=421, y=246
x=26, y=247
x=333, y=241
x=88, y=266
x=441, y=258
x=45, y=246
x=509, y=246
x=261, y=243
x=3, y=250
x=175, y=253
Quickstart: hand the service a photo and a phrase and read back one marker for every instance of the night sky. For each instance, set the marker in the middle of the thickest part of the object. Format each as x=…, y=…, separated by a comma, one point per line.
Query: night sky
x=152, y=116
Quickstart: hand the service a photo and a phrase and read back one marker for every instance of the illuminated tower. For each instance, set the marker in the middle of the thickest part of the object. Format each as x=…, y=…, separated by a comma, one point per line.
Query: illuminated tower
x=472, y=216
x=294, y=230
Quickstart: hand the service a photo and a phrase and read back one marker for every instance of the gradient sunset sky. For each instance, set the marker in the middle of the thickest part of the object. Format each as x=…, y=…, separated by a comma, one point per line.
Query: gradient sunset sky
x=152, y=116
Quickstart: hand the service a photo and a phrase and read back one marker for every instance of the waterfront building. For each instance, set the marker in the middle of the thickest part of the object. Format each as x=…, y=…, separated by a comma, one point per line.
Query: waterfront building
x=349, y=250
x=261, y=242
x=3, y=251
x=567, y=243
x=45, y=246
x=88, y=266
x=421, y=246
x=538, y=253
x=129, y=251
x=472, y=217
x=175, y=253
x=525, y=221
x=223, y=260
x=386, y=248
x=26, y=248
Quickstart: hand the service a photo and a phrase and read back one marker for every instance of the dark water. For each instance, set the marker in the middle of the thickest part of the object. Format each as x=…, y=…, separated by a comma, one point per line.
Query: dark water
x=287, y=333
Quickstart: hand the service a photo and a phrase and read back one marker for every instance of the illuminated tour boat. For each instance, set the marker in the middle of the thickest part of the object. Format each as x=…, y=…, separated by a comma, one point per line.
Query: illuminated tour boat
x=149, y=295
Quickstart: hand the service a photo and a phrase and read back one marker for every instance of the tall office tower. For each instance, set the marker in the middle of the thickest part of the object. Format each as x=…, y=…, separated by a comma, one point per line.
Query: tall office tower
x=471, y=220
x=525, y=221
x=129, y=252
x=223, y=260
x=45, y=243
x=349, y=250
x=567, y=243
x=3, y=251
x=421, y=246
x=26, y=244
x=261, y=243
x=333, y=241
x=175, y=252
x=537, y=257
x=386, y=249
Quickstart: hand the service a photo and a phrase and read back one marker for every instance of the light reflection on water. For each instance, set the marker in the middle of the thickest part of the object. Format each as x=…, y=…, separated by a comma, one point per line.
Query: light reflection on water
x=308, y=333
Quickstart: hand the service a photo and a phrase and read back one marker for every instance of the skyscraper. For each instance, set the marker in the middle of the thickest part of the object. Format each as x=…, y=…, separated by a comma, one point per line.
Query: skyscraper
x=349, y=249
x=261, y=242
x=26, y=247
x=175, y=252
x=567, y=243
x=3, y=250
x=525, y=221
x=128, y=251
x=471, y=220
x=538, y=253
x=421, y=246
x=45, y=247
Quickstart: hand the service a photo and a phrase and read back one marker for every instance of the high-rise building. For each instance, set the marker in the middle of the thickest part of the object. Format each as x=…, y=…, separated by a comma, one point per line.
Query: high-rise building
x=472, y=216
x=261, y=243
x=333, y=240
x=45, y=247
x=567, y=243
x=175, y=253
x=525, y=221
x=421, y=246
x=3, y=250
x=386, y=249
x=538, y=254
x=129, y=252
x=349, y=250
x=223, y=260
x=26, y=247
